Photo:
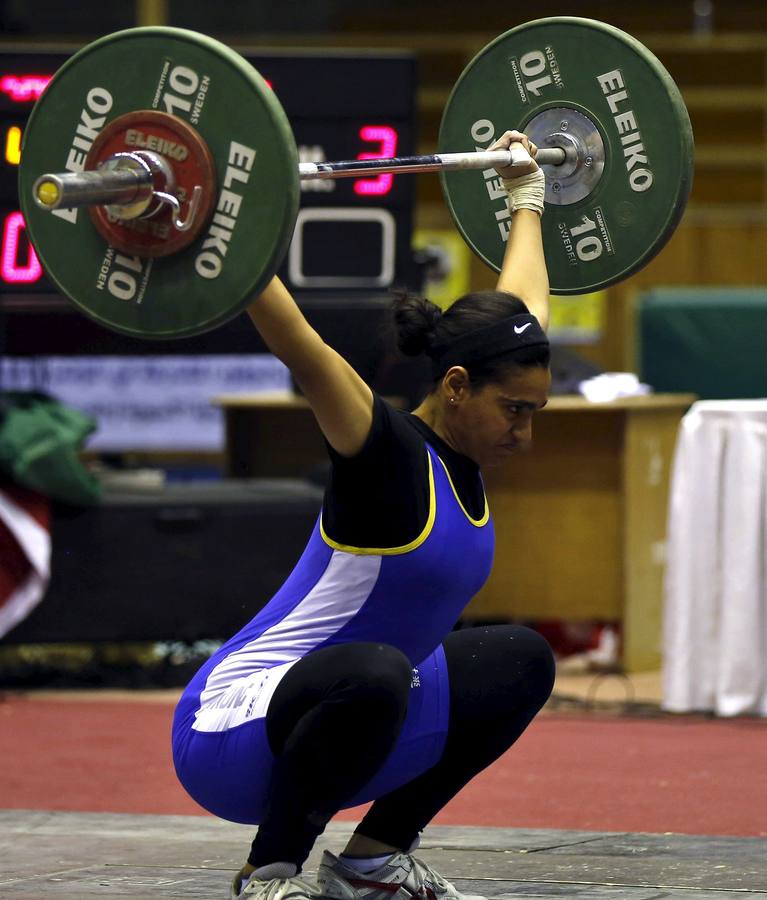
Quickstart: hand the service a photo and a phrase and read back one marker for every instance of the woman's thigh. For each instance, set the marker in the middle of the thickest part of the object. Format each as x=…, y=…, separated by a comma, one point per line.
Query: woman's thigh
x=229, y=771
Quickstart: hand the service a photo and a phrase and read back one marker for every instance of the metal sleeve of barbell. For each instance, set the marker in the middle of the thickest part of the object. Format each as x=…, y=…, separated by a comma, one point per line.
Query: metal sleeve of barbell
x=93, y=188
x=441, y=162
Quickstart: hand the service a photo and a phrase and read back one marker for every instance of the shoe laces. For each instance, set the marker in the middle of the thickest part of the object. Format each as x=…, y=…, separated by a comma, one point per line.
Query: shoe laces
x=279, y=888
x=424, y=872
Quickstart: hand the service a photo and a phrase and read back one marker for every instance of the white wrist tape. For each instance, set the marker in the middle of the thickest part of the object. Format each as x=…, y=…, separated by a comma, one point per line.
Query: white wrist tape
x=526, y=191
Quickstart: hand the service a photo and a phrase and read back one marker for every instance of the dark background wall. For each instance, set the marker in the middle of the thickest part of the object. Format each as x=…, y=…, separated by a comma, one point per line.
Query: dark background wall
x=88, y=17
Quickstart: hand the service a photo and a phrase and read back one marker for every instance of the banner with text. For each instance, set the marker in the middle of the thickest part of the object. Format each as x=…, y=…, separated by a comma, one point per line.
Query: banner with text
x=148, y=402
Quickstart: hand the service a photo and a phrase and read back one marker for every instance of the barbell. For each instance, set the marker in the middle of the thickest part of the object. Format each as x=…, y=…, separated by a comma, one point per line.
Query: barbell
x=159, y=175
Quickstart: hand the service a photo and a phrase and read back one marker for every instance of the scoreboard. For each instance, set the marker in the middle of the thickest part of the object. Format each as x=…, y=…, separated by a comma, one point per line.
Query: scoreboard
x=352, y=235
x=21, y=83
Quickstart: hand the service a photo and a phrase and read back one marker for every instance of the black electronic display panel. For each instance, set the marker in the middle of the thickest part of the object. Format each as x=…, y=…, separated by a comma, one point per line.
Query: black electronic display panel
x=352, y=234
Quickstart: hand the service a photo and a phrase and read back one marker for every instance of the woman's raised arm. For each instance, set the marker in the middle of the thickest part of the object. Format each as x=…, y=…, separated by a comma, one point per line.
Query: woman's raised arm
x=523, y=271
x=341, y=401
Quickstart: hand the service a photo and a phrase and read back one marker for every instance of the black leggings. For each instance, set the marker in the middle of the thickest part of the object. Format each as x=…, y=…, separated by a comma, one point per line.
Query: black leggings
x=336, y=715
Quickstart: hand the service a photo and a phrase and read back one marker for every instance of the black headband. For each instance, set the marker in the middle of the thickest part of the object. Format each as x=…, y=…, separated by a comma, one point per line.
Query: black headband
x=482, y=344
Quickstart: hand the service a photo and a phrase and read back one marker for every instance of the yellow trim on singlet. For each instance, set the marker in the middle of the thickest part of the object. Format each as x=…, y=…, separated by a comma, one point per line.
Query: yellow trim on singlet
x=478, y=522
x=393, y=551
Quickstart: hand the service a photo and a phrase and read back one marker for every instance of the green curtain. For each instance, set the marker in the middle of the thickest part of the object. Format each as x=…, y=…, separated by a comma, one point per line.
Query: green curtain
x=709, y=341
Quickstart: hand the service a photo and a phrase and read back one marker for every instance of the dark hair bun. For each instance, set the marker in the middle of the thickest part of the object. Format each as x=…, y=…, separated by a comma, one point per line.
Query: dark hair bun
x=415, y=319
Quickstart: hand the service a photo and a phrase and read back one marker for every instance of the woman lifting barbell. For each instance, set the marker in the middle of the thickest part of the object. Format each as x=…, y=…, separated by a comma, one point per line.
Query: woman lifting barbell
x=350, y=684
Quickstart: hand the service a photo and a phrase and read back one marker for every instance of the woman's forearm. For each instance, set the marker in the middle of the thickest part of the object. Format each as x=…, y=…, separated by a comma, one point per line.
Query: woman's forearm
x=523, y=272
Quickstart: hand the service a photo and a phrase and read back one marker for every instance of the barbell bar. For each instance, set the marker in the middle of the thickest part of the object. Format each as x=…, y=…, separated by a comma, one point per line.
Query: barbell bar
x=212, y=219
x=109, y=186
x=436, y=162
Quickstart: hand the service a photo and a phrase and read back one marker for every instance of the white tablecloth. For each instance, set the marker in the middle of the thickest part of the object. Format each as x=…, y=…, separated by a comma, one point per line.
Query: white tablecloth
x=715, y=595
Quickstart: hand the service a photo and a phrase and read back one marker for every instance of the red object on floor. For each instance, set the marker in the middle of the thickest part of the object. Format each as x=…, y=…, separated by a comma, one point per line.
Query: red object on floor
x=685, y=775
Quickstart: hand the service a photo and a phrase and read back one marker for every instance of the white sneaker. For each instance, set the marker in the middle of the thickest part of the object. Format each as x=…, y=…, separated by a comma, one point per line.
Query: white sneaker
x=413, y=876
x=294, y=888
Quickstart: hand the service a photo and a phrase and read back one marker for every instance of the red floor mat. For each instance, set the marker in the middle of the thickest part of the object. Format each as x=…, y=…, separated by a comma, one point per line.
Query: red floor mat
x=683, y=775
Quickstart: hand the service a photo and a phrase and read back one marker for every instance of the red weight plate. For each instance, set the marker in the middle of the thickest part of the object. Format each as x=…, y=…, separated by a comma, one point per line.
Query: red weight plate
x=192, y=164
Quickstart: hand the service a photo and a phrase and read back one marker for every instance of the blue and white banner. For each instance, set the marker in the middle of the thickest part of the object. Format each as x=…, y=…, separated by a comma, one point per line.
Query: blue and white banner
x=148, y=402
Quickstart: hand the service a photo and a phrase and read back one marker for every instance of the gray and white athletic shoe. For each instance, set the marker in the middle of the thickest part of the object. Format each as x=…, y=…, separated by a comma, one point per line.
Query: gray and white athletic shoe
x=401, y=877
x=294, y=888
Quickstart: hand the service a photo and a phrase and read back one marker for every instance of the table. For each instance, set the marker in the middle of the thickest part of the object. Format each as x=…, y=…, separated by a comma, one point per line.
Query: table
x=715, y=622
x=270, y=435
x=580, y=521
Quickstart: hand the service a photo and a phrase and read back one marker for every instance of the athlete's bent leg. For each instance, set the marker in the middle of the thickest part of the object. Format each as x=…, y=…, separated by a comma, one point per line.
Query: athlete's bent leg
x=500, y=677
x=331, y=723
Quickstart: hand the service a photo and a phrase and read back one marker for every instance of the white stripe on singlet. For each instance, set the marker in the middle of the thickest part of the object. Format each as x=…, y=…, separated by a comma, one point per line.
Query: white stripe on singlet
x=239, y=687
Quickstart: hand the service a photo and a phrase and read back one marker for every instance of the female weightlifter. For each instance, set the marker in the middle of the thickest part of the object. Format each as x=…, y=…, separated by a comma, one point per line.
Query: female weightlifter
x=350, y=684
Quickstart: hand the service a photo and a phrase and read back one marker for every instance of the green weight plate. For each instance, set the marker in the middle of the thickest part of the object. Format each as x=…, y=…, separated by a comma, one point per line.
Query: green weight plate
x=235, y=112
x=537, y=73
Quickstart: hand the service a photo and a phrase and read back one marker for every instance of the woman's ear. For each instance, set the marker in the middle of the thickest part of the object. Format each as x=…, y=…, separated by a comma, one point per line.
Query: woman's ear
x=456, y=385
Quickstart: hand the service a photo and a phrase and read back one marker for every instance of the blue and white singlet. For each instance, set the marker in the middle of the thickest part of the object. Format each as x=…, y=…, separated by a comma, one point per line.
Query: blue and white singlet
x=408, y=596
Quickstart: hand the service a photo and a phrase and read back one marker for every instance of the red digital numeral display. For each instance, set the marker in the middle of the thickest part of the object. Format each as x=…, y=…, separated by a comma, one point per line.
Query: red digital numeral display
x=387, y=138
x=23, y=88
x=18, y=261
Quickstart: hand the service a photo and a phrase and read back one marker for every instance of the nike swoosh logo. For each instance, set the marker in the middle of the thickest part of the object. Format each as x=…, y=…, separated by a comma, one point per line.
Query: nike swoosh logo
x=518, y=329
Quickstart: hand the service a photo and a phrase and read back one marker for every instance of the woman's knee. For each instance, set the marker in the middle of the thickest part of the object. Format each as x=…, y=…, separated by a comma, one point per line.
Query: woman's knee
x=373, y=686
x=379, y=672
x=339, y=684
x=539, y=662
x=503, y=660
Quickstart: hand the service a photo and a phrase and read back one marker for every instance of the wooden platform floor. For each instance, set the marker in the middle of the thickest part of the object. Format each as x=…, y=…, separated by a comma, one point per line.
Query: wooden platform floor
x=72, y=856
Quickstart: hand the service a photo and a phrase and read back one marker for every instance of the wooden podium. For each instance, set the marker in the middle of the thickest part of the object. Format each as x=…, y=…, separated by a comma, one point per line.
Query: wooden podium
x=580, y=520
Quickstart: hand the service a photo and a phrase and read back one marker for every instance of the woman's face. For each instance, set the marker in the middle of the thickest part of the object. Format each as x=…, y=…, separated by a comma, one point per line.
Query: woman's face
x=495, y=421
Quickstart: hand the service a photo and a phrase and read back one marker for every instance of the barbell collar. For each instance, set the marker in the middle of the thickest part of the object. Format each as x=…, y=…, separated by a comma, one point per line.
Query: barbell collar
x=67, y=190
